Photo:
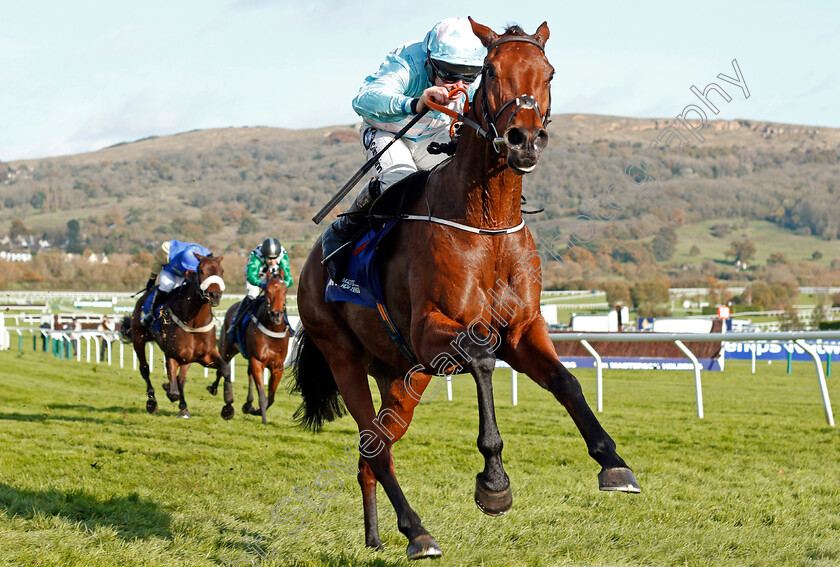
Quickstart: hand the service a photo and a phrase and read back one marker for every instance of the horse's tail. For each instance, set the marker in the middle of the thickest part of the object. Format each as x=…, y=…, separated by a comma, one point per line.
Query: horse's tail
x=125, y=329
x=315, y=382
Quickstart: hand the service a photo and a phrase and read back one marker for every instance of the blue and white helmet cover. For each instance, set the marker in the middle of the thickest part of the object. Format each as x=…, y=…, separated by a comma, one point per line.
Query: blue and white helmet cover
x=452, y=40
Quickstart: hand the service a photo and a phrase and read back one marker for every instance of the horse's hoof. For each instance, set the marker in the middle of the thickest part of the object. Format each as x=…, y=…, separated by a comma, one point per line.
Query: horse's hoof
x=151, y=405
x=256, y=411
x=212, y=389
x=247, y=408
x=491, y=502
x=423, y=546
x=618, y=478
x=185, y=413
x=227, y=412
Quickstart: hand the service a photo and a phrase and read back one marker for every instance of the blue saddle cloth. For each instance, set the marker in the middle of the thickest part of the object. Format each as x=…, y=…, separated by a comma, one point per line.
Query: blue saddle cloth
x=361, y=283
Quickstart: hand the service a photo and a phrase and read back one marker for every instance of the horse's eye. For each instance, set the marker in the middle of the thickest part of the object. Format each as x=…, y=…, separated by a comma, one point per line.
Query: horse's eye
x=490, y=71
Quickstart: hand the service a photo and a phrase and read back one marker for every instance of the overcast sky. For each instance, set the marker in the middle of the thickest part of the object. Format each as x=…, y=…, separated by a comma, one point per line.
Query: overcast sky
x=79, y=76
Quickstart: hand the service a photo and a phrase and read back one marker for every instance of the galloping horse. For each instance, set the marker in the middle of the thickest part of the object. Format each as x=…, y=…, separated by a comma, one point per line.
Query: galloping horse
x=266, y=342
x=458, y=276
x=187, y=334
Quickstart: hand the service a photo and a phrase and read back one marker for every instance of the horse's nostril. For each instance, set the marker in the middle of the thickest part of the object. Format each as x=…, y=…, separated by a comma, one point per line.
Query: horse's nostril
x=541, y=141
x=515, y=138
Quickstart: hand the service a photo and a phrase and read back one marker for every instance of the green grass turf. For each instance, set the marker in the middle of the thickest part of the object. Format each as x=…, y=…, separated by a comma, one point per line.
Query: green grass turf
x=88, y=478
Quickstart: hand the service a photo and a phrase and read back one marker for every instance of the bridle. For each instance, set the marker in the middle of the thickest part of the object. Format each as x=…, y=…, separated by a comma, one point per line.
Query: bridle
x=269, y=311
x=522, y=102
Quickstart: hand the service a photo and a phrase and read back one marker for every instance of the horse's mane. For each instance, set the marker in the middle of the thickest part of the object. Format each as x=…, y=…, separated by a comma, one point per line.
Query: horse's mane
x=514, y=29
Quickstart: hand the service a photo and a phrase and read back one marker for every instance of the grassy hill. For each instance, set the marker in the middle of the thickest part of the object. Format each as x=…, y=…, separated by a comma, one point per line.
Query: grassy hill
x=777, y=184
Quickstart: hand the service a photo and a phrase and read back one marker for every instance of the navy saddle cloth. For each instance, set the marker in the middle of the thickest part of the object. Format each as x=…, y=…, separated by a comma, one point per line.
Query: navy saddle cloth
x=361, y=283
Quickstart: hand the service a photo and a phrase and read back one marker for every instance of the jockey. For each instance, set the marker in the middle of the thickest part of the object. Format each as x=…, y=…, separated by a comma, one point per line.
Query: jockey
x=171, y=262
x=264, y=259
x=449, y=57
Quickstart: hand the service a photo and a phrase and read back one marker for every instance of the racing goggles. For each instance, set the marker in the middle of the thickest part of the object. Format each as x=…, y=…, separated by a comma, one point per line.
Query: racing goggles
x=452, y=72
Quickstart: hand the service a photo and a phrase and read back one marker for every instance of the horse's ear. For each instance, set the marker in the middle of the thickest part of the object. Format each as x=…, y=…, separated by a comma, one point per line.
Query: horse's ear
x=487, y=36
x=220, y=258
x=541, y=35
x=199, y=256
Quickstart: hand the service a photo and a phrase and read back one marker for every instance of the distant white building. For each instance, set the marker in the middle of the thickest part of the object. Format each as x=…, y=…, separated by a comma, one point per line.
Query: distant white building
x=15, y=256
x=98, y=258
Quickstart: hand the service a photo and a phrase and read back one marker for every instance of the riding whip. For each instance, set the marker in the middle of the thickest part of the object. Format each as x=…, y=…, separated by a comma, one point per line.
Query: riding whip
x=365, y=168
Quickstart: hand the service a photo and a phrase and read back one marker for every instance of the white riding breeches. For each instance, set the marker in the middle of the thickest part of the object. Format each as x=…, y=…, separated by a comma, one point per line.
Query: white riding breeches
x=168, y=280
x=403, y=158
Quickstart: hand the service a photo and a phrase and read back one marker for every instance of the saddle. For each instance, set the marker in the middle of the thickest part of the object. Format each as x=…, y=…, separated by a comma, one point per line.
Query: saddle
x=361, y=284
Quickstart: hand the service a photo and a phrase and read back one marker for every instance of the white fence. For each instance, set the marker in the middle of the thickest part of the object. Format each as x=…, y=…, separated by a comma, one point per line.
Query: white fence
x=100, y=344
x=798, y=337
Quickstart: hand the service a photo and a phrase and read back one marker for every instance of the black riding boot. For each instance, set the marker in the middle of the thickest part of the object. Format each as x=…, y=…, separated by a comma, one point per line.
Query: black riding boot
x=337, y=239
x=244, y=305
x=160, y=298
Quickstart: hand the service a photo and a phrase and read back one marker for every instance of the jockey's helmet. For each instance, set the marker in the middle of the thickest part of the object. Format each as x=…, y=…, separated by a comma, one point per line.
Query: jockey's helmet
x=271, y=248
x=454, y=53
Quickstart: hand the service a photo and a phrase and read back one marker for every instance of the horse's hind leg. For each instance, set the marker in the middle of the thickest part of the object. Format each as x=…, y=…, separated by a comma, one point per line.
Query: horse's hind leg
x=367, y=482
x=391, y=424
x=534, y=355
x=379, y=433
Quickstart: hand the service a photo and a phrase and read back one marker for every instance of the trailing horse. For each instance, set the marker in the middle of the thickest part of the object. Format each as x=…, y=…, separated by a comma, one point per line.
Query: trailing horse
x=187, y=334
x=461, y=285
x=266, y=342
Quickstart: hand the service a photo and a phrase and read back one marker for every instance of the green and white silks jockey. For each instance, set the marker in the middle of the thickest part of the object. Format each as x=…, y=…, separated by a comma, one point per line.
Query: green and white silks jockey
x=263, y=259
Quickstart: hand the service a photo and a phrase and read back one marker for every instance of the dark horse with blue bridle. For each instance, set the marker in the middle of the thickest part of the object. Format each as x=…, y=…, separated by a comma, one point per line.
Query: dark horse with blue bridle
x=460, y=281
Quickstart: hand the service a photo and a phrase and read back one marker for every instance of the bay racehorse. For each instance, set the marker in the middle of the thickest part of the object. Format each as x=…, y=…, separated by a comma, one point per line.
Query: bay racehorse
x=266, y=339
x=187, y=334
x=460, y=276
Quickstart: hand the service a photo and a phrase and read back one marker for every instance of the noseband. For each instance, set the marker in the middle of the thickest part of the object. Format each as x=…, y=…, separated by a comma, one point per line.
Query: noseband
x=205, y=284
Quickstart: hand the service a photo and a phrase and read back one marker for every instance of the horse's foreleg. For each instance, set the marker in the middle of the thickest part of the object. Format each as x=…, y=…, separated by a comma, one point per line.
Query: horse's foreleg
x=171, y=388
x=276, y=373
x=492, y=485
x=256, y=369
x=215, y=360
x=450, y=348
x=227, y=352
x=140, y=351
x=534, y=355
